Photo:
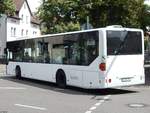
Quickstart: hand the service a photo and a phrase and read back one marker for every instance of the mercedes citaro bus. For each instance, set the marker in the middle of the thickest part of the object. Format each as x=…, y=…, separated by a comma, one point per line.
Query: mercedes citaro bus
x=92, y=59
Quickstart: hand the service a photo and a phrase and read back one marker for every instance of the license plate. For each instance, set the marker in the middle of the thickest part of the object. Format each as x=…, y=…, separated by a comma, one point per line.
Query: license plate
x=126, y=79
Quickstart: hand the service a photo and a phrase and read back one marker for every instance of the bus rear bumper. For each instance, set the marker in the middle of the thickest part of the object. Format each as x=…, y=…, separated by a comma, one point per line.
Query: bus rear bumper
x=126, y=81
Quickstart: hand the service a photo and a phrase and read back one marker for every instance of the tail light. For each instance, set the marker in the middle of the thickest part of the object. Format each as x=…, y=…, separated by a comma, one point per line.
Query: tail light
x=109, y=80
x=102, y=66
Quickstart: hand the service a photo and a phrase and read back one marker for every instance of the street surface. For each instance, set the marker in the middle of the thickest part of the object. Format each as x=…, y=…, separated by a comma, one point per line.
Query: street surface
x=31, y=96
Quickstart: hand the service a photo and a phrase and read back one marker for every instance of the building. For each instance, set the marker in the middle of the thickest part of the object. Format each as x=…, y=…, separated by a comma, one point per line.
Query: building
x=23, y=23
x=3, y=22
x=34, y=7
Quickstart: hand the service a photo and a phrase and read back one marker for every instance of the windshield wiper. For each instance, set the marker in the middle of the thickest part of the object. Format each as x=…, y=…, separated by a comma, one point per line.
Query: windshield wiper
x=118, y=50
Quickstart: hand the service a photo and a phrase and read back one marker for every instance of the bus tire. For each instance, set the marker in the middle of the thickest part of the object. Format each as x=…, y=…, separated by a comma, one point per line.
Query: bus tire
x=61, y=79
x=18, y=72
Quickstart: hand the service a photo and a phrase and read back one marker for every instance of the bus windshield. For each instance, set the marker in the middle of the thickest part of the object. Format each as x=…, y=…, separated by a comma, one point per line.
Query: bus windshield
x=124, y=42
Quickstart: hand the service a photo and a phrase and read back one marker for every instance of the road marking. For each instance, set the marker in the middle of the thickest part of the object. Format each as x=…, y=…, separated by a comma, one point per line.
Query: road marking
x=101, y=101
x=107, y=97
x=146, y=66
x=33, y=107
x=98, y=104
x=92, y=108
x=88, y=112
x=11, y=88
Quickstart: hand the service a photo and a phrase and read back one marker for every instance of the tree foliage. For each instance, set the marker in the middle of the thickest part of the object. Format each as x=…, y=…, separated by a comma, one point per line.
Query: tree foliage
x=122, y=12
x=7, y=7
x=68, y=15
x=58, y=16
x=145, y=17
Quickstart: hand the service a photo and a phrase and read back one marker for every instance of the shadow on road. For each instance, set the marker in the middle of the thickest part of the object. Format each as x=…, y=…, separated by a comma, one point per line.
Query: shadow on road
x=69, y=89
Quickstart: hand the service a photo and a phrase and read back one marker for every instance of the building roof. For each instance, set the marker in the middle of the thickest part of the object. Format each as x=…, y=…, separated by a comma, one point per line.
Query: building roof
x=15, y=17
x=18, y=5
x=35, y=20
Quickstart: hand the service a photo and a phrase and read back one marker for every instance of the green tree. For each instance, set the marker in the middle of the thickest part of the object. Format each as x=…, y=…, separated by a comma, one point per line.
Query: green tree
x=145, y=17
x=57, y=16
x=7, y=7
x=68, y=15
x=110, y=12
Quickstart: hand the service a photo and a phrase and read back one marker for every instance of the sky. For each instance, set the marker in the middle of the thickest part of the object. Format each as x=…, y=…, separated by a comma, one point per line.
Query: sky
x=147, y=2
x=34, y=4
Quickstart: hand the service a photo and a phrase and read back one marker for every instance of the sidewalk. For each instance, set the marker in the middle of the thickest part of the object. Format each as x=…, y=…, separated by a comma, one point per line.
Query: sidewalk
x=2, y=69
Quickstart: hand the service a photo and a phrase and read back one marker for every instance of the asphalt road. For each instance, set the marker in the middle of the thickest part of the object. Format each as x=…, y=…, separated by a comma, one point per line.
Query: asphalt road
x=31, y=96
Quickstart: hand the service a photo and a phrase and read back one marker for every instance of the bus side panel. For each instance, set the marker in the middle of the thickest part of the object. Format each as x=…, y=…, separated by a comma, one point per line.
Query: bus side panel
x=75, y=78
x=74, y=74
x=32, y=70
x=40, y=71
x=93, y=80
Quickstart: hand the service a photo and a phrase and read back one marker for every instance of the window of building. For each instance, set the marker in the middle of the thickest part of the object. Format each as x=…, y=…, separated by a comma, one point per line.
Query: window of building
x=34, y=32
x=27, y=19
x=22, y=32
x=22, y=18
x=14, y=31
x=26, y=32
x=24, y=5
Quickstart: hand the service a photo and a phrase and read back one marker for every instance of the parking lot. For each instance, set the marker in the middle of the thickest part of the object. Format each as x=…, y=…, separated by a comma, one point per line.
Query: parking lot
x=32, y=96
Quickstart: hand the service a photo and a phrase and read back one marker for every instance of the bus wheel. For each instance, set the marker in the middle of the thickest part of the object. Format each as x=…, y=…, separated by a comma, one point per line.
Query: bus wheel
x=18, y=72
x=61, y=79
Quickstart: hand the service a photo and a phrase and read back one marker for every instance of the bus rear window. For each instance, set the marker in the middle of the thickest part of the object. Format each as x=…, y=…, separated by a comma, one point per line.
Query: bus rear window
x=124, y=42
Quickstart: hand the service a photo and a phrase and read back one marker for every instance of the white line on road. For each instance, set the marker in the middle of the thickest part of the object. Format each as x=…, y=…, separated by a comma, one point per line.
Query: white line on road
x=12, y=88
x=92, y=108
x=106, y=97
x=101, y=101
x=146, y=66
x=88, y=112
x=33, y=107
x=98, y=104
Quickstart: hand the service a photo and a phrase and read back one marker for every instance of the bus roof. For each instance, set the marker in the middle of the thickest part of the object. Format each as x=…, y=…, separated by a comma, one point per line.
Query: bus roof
x=73, y=32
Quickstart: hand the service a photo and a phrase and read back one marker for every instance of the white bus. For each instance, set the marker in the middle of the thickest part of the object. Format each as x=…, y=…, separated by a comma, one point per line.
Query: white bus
x=92, y=59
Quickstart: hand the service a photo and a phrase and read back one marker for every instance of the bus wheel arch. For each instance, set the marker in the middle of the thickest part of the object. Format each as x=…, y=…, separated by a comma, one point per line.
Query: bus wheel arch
x=61, y=78
x=18, y=72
